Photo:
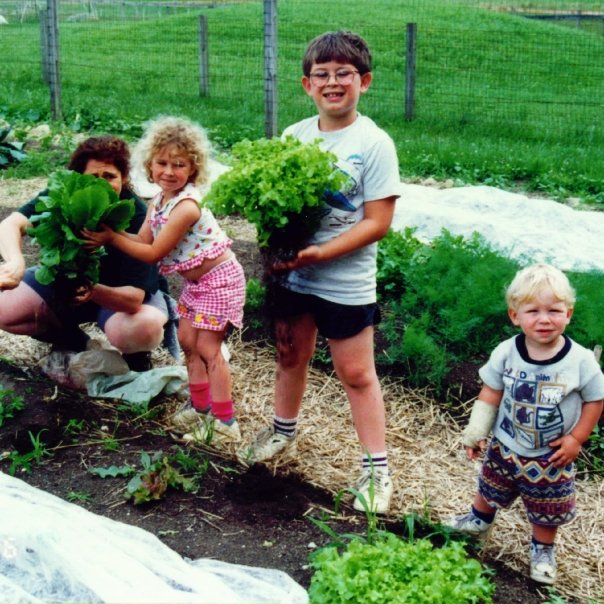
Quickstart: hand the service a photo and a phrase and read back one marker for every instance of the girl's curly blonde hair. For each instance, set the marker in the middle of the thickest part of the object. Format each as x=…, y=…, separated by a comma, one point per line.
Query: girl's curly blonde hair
x=187, y=136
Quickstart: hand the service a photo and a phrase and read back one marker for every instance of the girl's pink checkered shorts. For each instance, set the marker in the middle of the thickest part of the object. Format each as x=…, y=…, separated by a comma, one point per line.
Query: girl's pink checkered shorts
x=216, y=299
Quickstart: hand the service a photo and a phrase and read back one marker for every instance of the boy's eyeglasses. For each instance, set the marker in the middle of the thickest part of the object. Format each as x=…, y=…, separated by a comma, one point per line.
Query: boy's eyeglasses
x=344, y=77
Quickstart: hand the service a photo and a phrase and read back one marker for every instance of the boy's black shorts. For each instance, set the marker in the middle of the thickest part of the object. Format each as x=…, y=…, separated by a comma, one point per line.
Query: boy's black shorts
x=333, y=320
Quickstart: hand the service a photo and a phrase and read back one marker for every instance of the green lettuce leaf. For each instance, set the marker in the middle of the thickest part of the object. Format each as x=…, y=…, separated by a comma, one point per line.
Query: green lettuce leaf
x=74, y=201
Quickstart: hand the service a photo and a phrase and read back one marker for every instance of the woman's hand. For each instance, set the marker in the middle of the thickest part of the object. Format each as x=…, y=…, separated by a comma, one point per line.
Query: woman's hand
x=11, y=273
x=96, y=239
x=82, y=294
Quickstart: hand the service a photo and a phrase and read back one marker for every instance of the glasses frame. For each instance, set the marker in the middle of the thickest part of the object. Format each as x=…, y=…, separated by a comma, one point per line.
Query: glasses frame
x=348, y=76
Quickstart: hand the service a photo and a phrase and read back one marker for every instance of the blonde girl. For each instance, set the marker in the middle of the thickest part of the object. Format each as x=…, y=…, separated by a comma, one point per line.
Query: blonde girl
x=184, y=237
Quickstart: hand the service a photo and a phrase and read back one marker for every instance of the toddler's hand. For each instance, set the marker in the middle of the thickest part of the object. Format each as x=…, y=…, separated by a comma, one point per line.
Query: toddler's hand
x=474, y=453
x=568, y=450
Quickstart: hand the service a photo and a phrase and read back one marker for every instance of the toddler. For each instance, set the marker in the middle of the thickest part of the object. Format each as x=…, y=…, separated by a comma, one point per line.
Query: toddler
x=542, y=397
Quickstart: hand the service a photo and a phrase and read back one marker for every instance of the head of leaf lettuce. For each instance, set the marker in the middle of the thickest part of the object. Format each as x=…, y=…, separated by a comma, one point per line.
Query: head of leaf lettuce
x=278, y=185
x=73, y=202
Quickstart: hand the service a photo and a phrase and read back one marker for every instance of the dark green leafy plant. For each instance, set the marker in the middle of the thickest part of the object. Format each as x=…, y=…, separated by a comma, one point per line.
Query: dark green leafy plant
x=74, y=201
x=10, y=151
x=279, y=186
x=443, y=302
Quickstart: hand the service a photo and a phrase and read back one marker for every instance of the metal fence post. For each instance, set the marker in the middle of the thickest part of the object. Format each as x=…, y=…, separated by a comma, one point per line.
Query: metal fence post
x=44, y=46
x=204, y=76
x=270, y=68
x=53, y=59
x=411, y=48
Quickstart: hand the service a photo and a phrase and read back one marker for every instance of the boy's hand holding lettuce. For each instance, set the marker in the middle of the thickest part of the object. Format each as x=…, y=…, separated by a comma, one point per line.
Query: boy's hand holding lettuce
x=279, y=186
x=74, y=201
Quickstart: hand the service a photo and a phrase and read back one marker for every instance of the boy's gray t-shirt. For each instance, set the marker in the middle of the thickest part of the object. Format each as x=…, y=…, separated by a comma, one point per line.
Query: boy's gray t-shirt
x=541, y=400
x=368, y=156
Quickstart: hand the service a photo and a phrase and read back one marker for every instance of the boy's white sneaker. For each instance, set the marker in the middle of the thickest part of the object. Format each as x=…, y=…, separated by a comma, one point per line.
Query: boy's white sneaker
x=543, y=563
x=212, y=432
x=470, y=525
x=184, y=419
x=374, y=491
x=269, y=444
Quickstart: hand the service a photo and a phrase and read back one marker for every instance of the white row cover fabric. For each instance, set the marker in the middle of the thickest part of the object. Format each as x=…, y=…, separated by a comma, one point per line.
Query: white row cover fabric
x=55, y=551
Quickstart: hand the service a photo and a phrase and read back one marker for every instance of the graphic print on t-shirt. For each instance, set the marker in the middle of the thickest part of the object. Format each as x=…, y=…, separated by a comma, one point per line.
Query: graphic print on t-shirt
x=533, y=417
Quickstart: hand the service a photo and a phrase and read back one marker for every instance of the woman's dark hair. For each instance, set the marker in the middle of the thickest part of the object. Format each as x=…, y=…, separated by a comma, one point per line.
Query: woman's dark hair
x=340, y=46
x=108, y=148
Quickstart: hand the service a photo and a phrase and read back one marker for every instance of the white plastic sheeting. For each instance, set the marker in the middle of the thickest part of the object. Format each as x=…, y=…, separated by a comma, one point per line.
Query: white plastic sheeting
x=55, y=551
x=539, y=230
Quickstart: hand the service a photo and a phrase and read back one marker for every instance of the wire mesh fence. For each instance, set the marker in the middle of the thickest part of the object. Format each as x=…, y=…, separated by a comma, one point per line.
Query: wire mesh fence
x=488, y=70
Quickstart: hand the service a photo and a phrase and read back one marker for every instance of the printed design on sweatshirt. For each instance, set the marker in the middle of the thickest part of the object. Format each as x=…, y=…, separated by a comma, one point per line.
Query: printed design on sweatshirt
x=532, y=414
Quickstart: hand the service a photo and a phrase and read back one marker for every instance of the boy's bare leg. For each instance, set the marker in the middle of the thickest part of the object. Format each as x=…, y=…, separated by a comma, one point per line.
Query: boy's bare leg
x=355, y=366
x=295, y=340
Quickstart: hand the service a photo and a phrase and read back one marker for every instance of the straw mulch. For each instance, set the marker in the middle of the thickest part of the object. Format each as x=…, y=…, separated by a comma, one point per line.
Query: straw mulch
x=432, y=477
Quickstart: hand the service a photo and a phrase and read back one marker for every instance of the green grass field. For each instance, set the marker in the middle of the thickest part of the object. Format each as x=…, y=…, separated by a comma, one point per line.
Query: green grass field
x=501, y=100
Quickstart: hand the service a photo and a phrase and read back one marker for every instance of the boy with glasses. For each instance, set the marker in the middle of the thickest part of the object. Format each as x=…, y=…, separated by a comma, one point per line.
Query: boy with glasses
x=330, y=288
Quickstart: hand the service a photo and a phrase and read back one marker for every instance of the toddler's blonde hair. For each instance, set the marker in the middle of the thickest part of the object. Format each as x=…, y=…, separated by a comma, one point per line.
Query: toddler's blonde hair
x=187, y=136
x=533, y=280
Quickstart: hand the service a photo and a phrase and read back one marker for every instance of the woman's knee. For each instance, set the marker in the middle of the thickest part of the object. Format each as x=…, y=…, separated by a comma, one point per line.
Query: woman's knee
x=21, y=309
x=131, y=334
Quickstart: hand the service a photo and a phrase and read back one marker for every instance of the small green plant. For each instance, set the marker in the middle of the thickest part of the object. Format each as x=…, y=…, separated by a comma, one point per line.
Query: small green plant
x=553, y=597
x=113, y=471
x=78, y=497
x=24, y=461
x=160, y=471
x=592, y=458
x=255, y=294
x=279, y=186
x=10, y=151
x=157, y=475
x=73, y=428
x=10, y=404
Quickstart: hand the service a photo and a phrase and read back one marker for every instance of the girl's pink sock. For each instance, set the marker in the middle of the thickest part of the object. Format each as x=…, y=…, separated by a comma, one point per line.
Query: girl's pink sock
x=223, y=410
x=200, y=397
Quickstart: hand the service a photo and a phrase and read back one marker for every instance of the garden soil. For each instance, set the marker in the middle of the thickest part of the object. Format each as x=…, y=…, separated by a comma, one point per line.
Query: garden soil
x=257, y=516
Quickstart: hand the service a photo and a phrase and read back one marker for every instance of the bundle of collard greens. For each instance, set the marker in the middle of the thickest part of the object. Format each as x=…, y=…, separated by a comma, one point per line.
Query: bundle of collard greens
x=74, y=201
x=279, y=185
